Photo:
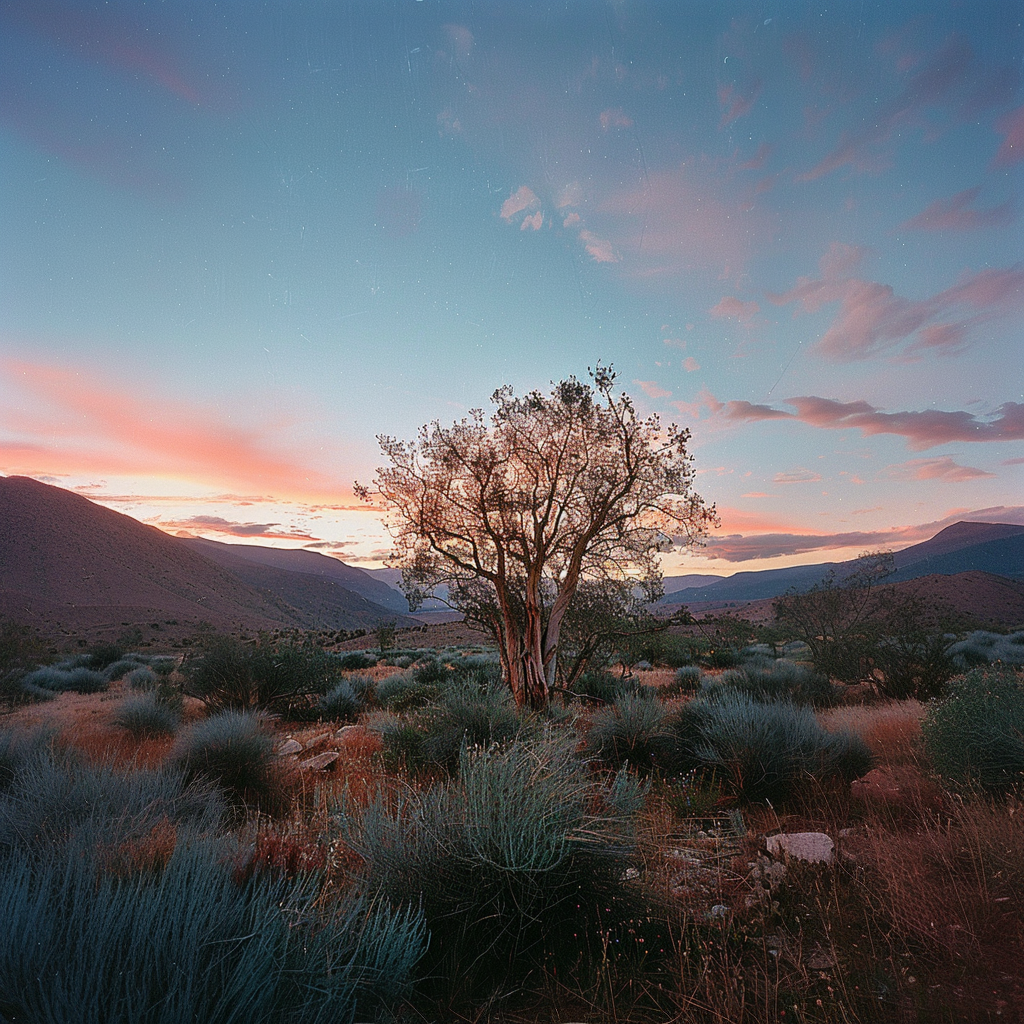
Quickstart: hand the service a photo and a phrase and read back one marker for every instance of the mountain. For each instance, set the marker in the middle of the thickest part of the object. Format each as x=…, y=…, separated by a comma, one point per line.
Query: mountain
x=70, y=563
x=393, y=578
x=996, y=548
x=306, y=563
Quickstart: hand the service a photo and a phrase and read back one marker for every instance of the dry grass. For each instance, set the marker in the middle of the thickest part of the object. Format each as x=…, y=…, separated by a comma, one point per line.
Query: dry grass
x=891, y=730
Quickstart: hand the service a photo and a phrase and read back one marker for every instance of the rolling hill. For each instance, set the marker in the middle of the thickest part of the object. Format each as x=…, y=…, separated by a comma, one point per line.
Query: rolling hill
x=70, y=564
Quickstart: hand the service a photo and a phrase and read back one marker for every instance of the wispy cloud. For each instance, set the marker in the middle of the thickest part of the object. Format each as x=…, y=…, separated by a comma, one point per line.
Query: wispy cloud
x=524, y=198
x=193, y=525
x=872, y=318
x=956, y=214
x=1012, y=129
x=730, y=308
x=798, y=476
x=600, y=249
x=615, y=117
x=943, y=468
x=652, y=389
x=736, y=102
x=922, y=430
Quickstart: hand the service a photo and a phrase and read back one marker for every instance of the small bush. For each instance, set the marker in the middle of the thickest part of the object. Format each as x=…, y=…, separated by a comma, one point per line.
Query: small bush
x=631, y=730
x=602, y=687
x=57, y=680
x=983, y=647
x=402, y=691
x=718, y=657
x=342, y=704
x=142, y=678
x=145, y=715
x=763, y=751
x=235, y=751
x=120, y=668
x=975, y=735
x=355, y=661
x=272, y=676
x=767, y=679
x=686, y=680
x=509, y=863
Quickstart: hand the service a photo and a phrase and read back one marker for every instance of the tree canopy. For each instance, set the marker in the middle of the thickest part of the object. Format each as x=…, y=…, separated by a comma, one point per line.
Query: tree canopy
x=513, y=511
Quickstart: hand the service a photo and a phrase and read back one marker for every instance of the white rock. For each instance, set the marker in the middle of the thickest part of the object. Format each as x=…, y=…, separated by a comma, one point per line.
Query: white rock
x=320, y=761
x=812, y=847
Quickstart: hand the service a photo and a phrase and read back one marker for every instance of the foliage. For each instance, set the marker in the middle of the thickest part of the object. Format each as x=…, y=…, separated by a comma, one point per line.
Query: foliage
x=763, y=751
x=384, y=633
x=974, y=736
x=145, y=714
x=461, y=715
x=631, y=730
x=92, y=941
x=271, y=675
x=354, y=661
x=346, y=701
x=510, y=863
x=20, y=649
x=686, y=681
x=235, y=751
x=983, y=647
x=514, y=514
x=57, y=679
x=602, y=687
x=780, y=679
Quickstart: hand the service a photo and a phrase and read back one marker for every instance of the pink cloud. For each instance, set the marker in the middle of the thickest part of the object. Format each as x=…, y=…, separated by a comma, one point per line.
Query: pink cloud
x=921, y=429
x=533, y=222
x=216, y=524
x=461, y=39
x=731, y=308
x=81, y=425
x=652, y=389
x=736, y=103
x=759, y=159
x=600, y=249
x=955, y=214
x=1012, y=149
x=571, y=221
x=943, y=468
x=690, y=365
x=873, y=318
x=614, y=117
x=523, y=198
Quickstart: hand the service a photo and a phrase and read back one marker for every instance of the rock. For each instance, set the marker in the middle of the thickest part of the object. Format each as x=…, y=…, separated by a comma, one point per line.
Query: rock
x=878, y=786
x=348, y=730
x=819, y=960
x=318, y=739
x=289, y=746
x=320, y=761
x=812, y=847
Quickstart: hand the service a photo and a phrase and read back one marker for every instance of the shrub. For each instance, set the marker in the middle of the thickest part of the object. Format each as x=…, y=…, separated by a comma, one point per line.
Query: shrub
x=342, y=704
x=509, y=862
x=718, y=657
x=983, y=647
x=975, y=735
x=632, y=730
x=186, y=943
x=764, y=751
x=20, y=649
x=234, y=750
x=768, y=679
x=355, y=661
x=602, y=687
x=120, y=668
x=145, y=715
x=686, y=680
x=57, y=679
x=461, y=715
x=401, y=691
x=272, y=676
x=142, y=678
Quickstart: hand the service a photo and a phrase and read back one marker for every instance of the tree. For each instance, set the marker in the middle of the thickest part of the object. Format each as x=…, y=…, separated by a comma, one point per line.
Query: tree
x=513, y=514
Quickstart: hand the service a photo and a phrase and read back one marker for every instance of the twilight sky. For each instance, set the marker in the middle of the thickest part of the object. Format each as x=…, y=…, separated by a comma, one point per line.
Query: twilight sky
x=242, y=239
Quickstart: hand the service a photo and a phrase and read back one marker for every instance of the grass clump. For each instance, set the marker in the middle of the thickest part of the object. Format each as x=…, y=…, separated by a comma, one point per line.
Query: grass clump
x=762, y=751
x=509, y=861
x=271, y=675
x=983, y=647
x=142, y=677
x=346, y=701
x=974, y=736
x=770, y=679
x=58, y=679
x=235, y=751
x=144, y=715
x=630, y=730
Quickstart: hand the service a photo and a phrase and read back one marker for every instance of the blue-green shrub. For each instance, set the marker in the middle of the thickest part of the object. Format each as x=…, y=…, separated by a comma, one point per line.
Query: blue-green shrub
x=770, y=679
x=630, y=730
x=983, y=647
x=974, y=736
x=144, y=714
x=235, y=751
x=142, y=678
x=762, y=750
x=509, y=860
x=56, y=679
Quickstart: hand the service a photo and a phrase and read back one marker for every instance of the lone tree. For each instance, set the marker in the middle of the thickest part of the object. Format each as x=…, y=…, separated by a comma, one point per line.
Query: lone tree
x=512, y=514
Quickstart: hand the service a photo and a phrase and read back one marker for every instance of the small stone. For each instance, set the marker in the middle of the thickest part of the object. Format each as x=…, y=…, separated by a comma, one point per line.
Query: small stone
x=719, y=910
x=348, y=730
x=320, y=761
x=812, y=847
x=317, y=740
x=289, y=746
x=819, y=960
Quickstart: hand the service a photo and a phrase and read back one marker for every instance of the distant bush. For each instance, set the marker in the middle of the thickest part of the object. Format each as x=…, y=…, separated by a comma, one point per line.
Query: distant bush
x=509, y=861
x=272, y=676
x=21, y=648
x=983, y=647
x=685, y=681
x=57, y=680
x=142, y=678
x=718, y=657
x=599, y=686
x=354, y=661
x=120, y=668
x=769, y=679
x=163, y=666
x=974, y=736
x=145, y=715
x=235, y=751
x=630, y=730
x=763, y=751
x=461, y=715
x=401, y=691
x=344, y=703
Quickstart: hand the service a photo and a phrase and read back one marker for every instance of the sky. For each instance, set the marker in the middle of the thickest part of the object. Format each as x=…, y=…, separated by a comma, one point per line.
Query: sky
x=241, y=240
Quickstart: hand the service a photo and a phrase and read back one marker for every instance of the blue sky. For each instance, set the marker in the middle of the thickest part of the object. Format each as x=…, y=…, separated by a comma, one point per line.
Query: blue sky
x=241, y=240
